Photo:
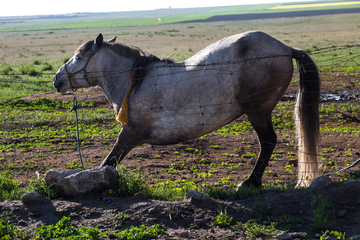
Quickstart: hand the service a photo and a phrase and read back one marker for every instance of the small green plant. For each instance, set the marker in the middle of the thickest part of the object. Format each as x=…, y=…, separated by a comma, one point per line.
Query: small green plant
x=249, y=155
x=349, y=107
x=289, y=168
x=9, y=189
x=182, y=163
x=141, y=232
x=63, y=230
x=215, y=146
x=172, y=170
x=288, y=223
x=222, y=219
x=47, y=67
x=327, y=235
x=229, y=155
x=130, y=182
x=327, y=109
x=170, y=211
x=9, y=231
x=73, y=165
x=320, y=221
x=194, y=169
x=119, y=219
x=253, y=229
x=6, y=70
x=262, y=208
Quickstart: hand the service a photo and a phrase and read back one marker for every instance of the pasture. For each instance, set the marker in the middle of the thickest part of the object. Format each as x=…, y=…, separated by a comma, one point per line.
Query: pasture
x=38, y=132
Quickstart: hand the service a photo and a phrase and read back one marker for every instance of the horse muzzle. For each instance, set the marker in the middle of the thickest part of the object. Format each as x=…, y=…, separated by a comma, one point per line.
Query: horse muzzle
x=58, y=84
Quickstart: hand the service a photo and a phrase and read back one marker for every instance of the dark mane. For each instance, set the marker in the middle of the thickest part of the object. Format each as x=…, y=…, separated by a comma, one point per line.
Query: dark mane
x=141, y=66
x=142, y=61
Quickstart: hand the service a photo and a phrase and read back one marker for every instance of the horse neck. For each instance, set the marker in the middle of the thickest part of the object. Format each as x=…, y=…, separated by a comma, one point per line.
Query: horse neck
x=115, y=76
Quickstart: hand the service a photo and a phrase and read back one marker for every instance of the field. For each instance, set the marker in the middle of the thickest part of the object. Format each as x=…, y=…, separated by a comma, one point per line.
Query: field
x=38, y=131
x=168, y=16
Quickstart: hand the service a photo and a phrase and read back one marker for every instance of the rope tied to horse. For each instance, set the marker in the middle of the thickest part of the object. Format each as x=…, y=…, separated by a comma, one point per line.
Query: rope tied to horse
x=74, y=108
x=123, y=116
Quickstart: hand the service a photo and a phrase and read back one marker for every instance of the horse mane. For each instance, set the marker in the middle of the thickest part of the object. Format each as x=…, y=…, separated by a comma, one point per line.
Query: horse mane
x=142, y=61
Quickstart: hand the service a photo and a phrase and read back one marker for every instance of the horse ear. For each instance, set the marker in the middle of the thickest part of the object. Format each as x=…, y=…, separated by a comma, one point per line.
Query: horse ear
x=99, y=40
x=112, y=40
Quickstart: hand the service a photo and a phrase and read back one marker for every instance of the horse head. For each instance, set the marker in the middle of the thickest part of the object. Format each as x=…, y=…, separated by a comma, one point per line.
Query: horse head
x=80, y=71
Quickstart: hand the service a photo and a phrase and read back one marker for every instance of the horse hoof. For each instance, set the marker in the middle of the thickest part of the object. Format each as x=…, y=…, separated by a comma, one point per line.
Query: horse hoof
x=248, y=184
x=107, y=162
x=242, y=185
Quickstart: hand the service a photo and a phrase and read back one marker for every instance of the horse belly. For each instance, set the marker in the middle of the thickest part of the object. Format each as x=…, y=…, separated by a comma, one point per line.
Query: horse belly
x=206, y=103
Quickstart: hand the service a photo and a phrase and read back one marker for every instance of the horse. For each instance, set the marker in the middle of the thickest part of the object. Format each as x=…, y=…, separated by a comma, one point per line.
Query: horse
x=161, y=102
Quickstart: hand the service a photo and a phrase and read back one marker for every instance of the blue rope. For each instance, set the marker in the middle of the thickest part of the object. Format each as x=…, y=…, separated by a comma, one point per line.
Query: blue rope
x=348, y=167
x=74, y=108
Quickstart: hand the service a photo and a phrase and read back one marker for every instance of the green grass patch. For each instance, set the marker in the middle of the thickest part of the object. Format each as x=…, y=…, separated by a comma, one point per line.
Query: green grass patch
x=253, y=229
x=63, y=230
x=9, y=189
x=141, y=232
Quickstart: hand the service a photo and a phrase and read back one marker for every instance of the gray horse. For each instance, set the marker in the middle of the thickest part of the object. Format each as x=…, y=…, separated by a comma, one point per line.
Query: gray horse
x=162, y=102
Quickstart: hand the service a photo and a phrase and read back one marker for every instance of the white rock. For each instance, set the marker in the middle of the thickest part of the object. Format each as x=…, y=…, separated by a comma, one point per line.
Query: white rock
x=184, y=234
x=77, y=182
x=341, y=213
x=283, y=236
x=152, y=210
x=34, y=198
x=317, y=235
x=55, y=176
x=295, y=234
x=195, y=195
x=200, y=222
x=320, y=182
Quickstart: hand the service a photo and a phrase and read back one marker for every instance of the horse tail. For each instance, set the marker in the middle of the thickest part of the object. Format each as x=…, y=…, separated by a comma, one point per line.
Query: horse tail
x=307, y=118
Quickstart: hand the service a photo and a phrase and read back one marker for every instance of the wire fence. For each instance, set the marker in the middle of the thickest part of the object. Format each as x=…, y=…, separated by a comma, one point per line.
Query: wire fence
x=339, y=112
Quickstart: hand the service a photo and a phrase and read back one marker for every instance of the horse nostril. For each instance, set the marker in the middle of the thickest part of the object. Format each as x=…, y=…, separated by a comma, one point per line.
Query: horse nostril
x=54, y=78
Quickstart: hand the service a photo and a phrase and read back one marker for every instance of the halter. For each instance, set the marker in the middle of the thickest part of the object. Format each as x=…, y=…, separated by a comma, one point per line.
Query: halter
x=69, y=75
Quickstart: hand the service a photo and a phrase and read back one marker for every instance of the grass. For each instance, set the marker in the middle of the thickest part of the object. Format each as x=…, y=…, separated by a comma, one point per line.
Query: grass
x=63, y=229
x=9, y=188
x=141, y=232
x=222, y=219
x=253, y=229
x=320, y=212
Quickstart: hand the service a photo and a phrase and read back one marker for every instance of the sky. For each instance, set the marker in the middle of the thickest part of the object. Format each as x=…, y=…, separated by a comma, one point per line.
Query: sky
x=46, y=7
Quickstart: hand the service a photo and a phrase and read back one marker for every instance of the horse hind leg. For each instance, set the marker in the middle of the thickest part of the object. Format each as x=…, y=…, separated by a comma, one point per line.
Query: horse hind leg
x=267, y=136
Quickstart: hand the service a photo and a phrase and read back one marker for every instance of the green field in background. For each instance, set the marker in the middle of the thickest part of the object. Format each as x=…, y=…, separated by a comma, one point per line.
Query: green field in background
x=147, y=18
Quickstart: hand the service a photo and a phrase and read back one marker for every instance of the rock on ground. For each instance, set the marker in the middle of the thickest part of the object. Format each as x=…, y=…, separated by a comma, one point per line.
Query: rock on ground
x=76, y=182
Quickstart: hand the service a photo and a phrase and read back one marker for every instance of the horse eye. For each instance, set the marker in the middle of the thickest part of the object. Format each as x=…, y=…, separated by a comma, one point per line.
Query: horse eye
x=77, y=57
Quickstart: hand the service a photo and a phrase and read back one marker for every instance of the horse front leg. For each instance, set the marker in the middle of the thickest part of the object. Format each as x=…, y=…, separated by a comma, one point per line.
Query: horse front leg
x=264, y=128
x=121, y=148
